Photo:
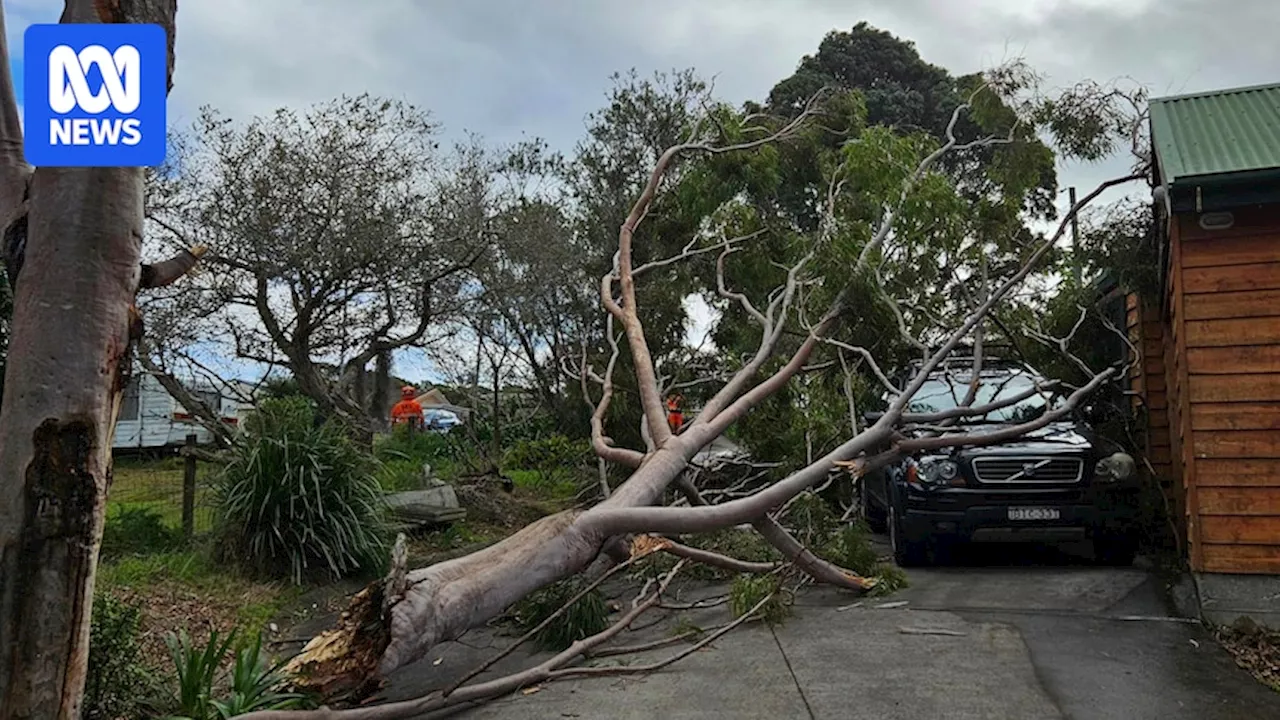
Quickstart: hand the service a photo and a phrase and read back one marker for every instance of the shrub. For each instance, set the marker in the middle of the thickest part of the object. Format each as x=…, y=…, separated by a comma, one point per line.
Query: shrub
x=402, y=455
x=297, y=497
x=813, y=519
x=850, y=547
x=116, y=684
x=137, y=530
x=586, y=617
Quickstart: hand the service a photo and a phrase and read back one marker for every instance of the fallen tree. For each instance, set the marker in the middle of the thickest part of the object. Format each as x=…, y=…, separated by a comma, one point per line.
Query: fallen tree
x=397, y=622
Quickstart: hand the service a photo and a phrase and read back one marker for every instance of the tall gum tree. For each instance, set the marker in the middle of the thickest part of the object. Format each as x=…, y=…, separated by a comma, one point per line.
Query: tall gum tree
x=73, y=252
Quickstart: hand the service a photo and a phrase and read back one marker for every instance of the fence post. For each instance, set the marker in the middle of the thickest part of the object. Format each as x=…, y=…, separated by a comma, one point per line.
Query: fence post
x=189, y=489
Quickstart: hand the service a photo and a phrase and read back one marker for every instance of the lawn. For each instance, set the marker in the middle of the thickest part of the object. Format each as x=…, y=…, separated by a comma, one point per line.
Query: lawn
x=157, y=485
x=184, y=589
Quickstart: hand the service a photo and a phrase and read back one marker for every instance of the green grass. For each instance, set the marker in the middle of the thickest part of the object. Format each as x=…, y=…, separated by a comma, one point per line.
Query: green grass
x=550, y=487
x=255, y=603
x=157, y=485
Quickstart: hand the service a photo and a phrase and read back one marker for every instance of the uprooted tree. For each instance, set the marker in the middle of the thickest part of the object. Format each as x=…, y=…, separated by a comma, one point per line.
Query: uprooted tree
x=830, y=275
x=72, y=244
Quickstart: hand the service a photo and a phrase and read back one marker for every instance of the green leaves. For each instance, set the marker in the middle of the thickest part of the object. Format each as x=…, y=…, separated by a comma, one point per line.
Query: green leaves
x=251, y=681
x=297, y=498
x=116, y=684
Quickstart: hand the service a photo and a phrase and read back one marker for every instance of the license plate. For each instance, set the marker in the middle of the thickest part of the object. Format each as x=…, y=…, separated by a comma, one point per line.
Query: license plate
x=1033, y=513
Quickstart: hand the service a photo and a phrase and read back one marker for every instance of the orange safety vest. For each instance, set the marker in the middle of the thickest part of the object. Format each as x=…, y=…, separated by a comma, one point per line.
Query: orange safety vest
x=406, y=409
x=675, y=418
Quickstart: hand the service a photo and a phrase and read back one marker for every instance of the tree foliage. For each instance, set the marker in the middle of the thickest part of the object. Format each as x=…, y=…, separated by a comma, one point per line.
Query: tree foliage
x=336, y=235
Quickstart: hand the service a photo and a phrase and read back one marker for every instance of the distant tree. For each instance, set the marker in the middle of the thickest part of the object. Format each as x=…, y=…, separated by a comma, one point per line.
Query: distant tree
x=992, y=177
x=336, y=236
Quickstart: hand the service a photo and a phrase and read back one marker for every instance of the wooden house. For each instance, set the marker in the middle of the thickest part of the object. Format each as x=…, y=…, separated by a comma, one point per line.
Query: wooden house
x=1209, y=375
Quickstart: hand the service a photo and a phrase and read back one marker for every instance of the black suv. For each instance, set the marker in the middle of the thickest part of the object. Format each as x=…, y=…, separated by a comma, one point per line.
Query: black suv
x=1061, y=483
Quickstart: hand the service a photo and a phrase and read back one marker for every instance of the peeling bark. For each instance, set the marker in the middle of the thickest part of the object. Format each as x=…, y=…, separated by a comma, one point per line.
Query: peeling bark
x=69, y=355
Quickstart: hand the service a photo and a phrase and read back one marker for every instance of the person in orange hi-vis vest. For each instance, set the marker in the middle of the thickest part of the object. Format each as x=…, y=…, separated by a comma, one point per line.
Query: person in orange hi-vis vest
x=408, y=409
x=675, y=417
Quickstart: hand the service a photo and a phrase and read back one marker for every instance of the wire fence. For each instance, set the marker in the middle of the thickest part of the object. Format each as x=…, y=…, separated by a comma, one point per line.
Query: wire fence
x=179, y=489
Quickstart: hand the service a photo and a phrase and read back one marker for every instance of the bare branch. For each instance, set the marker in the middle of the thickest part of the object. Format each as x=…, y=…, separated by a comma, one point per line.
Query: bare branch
x=715, y=559
x=632, y=325
x=689, y=251
x=599, y=441
x=866, y=355
x=1011, y=432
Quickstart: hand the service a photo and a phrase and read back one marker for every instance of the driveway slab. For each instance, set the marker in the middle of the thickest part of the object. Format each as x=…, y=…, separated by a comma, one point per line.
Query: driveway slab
x=1037, y=638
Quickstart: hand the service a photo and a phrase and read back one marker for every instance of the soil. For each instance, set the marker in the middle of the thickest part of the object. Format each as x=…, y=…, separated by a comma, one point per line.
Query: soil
x=169, y=606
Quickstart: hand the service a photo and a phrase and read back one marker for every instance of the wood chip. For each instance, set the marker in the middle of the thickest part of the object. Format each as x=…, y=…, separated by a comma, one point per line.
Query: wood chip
x=842, y=608
x=891, y=605
x=531, y=690
x=930, y=631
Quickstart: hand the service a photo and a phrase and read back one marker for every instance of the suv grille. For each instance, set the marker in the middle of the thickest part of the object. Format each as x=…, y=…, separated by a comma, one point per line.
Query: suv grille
x=1028, y=469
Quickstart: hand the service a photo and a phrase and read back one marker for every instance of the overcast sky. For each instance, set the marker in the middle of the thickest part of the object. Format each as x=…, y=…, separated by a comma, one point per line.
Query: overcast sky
x=512, y=68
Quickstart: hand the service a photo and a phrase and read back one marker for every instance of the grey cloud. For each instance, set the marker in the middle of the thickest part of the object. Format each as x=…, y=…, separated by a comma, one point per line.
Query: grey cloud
x=505, y=68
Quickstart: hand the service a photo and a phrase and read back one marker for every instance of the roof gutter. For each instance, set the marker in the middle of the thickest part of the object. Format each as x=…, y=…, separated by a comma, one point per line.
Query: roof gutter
x=1206, y=193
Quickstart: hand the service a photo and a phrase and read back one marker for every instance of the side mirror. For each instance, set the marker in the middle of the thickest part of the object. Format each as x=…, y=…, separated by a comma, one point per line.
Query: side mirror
x=872, y=416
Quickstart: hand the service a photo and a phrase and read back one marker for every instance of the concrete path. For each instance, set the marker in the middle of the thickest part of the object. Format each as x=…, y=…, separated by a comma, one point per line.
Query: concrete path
x=1041, y=637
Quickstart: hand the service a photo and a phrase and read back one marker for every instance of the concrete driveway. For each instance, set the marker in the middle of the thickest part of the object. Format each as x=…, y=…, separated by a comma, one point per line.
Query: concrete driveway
x=1008, y=634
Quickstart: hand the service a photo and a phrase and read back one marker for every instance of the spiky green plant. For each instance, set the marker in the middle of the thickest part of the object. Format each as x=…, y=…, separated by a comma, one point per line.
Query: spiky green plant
x=253, y=683
x=298, y=497
x=251, y=680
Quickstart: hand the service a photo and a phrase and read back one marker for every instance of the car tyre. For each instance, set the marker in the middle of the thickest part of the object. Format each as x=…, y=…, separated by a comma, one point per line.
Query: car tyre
x=874, y=517
x=906, y=553
x=1115, y=551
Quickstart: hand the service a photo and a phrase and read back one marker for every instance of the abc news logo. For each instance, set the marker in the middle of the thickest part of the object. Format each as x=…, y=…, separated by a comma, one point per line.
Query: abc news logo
x=96, y=95
x=69, y=89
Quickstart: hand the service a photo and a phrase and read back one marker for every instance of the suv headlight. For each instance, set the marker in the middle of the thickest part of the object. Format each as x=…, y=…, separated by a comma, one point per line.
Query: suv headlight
x=1119, y=466
x=937, y=470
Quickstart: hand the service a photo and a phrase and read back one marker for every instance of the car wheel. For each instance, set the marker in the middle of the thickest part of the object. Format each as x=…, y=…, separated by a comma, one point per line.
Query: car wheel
x=906, y=552
x=872, y=516
x=1116, y=551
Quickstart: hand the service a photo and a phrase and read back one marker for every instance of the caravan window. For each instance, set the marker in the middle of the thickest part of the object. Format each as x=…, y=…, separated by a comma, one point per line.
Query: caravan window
x=129, y=404
x=211, y=399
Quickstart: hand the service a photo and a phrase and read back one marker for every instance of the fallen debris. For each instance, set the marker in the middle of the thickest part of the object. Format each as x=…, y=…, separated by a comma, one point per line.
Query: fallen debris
x=1255, y=648
x=930, y=631
x=892, y=605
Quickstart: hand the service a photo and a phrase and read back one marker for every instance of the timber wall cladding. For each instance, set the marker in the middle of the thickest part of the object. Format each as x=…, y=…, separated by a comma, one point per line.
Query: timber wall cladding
x=1147, y=381
x=1227, y=343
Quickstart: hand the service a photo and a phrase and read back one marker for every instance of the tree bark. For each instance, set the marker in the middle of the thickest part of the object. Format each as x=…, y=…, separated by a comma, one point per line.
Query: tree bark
x=73, y=315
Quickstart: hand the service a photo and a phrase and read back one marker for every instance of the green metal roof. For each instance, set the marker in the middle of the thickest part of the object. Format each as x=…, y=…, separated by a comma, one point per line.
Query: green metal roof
x=1219, y=133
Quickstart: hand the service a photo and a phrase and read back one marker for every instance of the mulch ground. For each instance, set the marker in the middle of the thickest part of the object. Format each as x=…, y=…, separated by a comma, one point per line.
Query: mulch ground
x=1255, y=648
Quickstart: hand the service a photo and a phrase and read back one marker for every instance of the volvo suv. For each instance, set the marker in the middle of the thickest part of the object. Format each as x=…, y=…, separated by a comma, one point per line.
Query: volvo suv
x=1061, y=483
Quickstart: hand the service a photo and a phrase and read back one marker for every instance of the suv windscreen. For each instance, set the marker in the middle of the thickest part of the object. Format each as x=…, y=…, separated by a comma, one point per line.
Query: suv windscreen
x=944, y=392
